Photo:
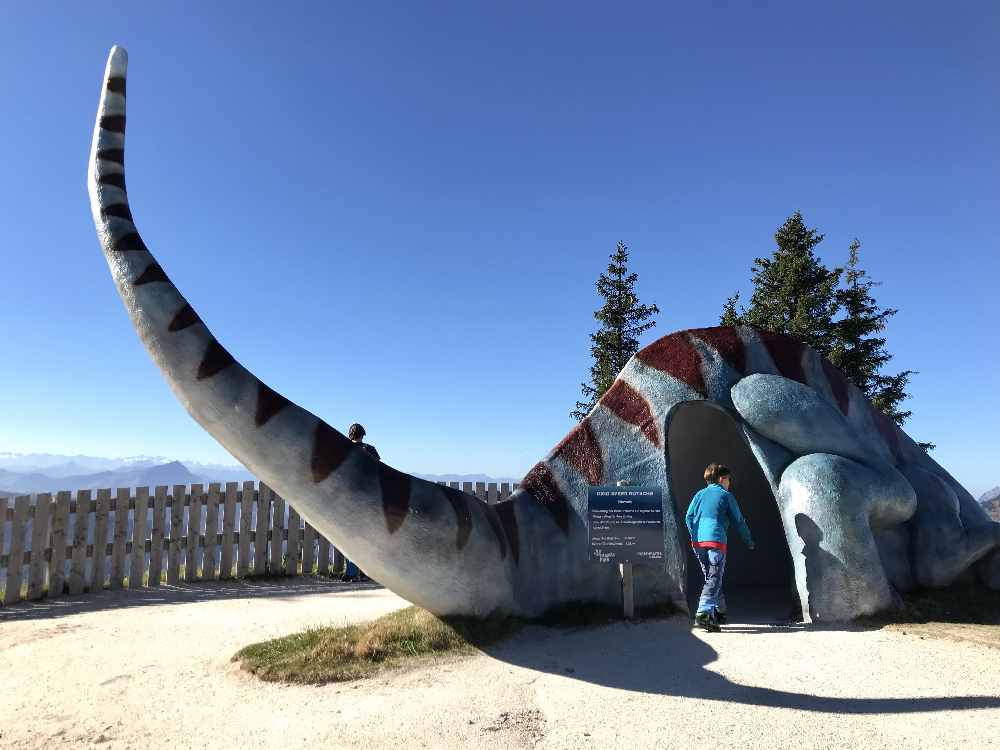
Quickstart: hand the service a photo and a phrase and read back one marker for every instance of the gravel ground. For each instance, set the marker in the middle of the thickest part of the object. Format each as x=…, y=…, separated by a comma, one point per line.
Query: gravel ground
x=151, y=669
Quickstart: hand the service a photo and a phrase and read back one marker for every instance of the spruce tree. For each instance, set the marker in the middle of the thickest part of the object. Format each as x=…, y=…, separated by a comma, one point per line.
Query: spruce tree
x=622, y=320
x=729, y=315
x=859, y=351
x=794, y=293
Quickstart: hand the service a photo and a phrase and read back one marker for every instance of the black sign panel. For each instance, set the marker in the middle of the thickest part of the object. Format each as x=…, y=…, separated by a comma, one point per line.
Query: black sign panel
x=626, y=524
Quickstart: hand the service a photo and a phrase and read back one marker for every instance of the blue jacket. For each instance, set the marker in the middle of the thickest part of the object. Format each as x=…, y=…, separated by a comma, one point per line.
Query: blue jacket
x=710, y=513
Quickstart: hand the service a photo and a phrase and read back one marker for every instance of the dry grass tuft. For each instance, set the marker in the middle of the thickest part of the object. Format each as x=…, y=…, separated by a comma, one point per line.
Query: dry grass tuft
x=338, y=654
x=406, y=637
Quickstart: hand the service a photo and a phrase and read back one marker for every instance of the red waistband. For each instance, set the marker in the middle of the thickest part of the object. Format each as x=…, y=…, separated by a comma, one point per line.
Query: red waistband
x=710, y=545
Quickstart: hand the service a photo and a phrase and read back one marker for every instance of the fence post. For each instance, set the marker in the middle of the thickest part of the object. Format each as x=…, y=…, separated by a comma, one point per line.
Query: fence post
x=260, y=534
x=277, y=535
x=137, y=566
x=81, y=523
x=119, y=539
x=208, y=562
x=248, y=501
x=308, y=549
x=156, y=543
x=176, y=534
x=57, y=563
x=228, y=527
x=39, y=542
x=100, y=564
x=193, y=535
x=15, y=561
x=292, y=555
x=323, y=566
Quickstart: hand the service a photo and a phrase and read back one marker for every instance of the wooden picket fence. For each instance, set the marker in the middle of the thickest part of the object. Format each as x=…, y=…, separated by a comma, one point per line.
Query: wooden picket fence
x=64, y=545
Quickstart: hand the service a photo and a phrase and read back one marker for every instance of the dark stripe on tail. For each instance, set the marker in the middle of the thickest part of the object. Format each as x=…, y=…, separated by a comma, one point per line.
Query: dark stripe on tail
x=505, y=512
x=117, y=179
x=112, y=154
x=269, y=403
x=114, y=123
x=118, y=210
x=330, y=448
x=216, y=360
x=542, y=486
x=395, y=496
x=129, y=243
x=463, y=516
x=117, y=84
x=494, y=519
x=185, y=318
x=153, y=272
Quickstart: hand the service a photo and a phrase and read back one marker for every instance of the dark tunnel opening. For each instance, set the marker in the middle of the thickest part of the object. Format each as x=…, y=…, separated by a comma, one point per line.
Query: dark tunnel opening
x=760, y=584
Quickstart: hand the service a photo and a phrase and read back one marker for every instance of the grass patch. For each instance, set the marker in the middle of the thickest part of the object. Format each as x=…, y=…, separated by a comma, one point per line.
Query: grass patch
x=406, y=637
x=338, y=654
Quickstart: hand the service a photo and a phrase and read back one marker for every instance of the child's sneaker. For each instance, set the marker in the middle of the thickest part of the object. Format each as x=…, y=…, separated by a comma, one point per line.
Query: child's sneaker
x=707, y=621
x=720, y=617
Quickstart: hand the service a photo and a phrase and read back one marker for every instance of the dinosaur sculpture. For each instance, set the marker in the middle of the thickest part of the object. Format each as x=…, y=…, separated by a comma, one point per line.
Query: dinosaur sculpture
x=865, y=510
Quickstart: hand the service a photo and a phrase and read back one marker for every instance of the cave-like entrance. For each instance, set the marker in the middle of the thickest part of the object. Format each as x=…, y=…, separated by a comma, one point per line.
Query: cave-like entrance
x=759, y=585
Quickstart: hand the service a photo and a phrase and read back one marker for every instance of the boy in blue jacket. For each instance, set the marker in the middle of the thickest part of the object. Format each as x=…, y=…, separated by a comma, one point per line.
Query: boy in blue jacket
x=708, y=517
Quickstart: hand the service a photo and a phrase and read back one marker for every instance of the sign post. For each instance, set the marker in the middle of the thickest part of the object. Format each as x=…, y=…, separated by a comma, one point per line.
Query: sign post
x=626, y=526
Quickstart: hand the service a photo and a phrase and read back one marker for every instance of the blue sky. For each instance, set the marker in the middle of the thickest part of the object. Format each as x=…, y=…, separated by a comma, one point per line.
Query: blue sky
x=395, y=214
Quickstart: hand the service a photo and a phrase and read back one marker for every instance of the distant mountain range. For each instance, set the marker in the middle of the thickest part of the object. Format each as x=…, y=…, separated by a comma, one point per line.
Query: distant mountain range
x=28, y=473
x=991, y=501
x=136, y=475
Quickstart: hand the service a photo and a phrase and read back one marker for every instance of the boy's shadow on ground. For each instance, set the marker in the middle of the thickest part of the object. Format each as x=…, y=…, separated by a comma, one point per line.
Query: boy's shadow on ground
x=665, y=657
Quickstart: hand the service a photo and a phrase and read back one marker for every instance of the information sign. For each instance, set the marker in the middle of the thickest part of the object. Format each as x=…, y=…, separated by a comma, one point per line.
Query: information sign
x=626, y=524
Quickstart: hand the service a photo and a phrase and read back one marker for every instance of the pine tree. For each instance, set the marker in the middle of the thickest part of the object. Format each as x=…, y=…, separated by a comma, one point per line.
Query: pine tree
x=794, y=293
x=859, y=352
x=622, y=320
x=729, y=315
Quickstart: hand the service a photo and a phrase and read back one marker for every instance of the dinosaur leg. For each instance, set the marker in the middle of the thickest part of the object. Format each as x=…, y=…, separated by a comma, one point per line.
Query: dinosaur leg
x=830, y=506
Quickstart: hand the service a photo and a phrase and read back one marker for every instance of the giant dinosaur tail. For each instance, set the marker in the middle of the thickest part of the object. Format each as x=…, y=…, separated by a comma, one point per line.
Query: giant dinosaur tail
x=437, y=547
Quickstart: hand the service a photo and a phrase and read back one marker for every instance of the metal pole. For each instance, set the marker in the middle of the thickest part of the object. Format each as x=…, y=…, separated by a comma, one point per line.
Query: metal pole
x=628, y=589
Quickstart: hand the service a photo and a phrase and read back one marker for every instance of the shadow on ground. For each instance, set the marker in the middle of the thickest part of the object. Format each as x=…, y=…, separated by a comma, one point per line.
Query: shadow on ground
x=281, y=589
x=664, y=657
x=657, y=656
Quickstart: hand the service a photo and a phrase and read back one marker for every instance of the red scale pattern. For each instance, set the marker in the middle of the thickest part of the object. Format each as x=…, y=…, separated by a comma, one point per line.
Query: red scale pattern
x=887, y=429
x=581, y=450
x=676, y=356
x=628, y=404
x=727, y=342
x=786, y=353
x=838, y=384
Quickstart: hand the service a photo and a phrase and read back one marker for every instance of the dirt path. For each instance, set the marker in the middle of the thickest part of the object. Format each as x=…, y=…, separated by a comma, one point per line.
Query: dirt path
x=100, y=672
